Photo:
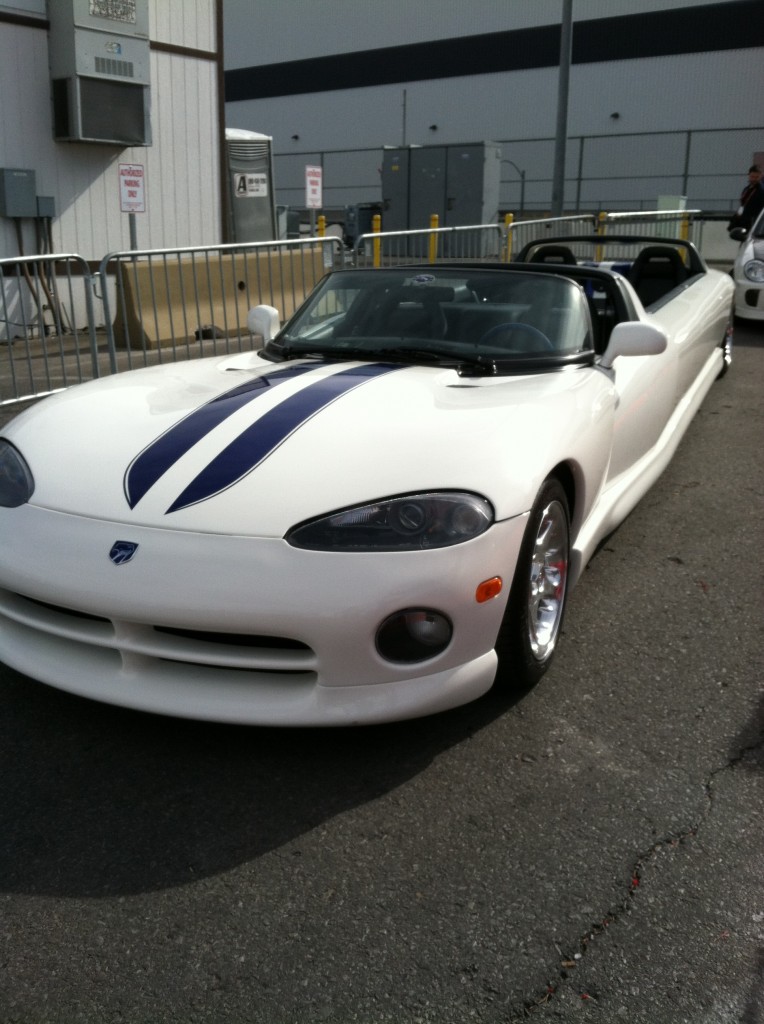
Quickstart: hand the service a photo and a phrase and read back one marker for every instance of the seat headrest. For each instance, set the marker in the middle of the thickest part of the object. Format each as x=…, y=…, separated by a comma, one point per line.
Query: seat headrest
x=553, y=254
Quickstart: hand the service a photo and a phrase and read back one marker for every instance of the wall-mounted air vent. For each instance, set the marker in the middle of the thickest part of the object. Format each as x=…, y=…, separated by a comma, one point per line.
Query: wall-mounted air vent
x=107, y=66
x=100, y=71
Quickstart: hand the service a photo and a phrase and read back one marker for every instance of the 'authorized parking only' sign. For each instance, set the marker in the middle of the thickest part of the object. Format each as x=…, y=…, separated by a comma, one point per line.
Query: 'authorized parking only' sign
x=132, y=190
x=314, y=188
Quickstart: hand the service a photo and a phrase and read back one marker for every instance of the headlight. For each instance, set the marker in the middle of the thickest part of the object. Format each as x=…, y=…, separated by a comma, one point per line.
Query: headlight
x=16, y=483
x=754, y=271
x=408, y=523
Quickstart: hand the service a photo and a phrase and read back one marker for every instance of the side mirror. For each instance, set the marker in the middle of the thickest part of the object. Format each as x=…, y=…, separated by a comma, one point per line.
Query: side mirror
x=634, y=338
x=263, y=320
x=738, y=234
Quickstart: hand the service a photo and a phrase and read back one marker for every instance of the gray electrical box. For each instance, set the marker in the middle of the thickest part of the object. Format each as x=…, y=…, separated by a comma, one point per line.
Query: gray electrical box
x=100, y=71
x=251, y=198
x=459, y=183
x=18, y=192
x=46, y=207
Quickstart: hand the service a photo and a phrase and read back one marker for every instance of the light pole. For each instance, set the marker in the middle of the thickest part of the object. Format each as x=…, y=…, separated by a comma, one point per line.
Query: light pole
x=561, y=138
x=522, y=182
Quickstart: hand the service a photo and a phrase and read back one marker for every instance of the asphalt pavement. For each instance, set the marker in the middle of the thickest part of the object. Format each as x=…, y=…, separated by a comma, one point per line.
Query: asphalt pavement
x=591, y=853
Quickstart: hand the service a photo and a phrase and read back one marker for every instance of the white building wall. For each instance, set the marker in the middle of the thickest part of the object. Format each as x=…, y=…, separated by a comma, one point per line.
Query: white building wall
x=182, y=166
x=189, y=23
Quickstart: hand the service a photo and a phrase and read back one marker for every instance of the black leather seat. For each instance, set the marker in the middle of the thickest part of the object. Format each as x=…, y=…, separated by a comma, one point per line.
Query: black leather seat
x=655, y=272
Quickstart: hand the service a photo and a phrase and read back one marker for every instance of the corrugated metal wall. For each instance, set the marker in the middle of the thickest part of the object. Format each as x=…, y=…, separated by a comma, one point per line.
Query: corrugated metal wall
x=182, y=167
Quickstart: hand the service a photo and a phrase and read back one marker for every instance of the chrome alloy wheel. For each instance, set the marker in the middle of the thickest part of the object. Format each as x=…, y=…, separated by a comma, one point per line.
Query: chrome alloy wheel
x=548, y=581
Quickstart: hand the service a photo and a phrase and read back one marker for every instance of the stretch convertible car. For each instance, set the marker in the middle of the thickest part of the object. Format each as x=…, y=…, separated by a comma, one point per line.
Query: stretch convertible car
x=376, y=514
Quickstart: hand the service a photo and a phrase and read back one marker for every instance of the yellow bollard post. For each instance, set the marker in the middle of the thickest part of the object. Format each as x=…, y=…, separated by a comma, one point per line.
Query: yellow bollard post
x=684, y=234
x=508, y=222
x=433, y=239
x=321, y=226
x=601, y=231
x=376, y=227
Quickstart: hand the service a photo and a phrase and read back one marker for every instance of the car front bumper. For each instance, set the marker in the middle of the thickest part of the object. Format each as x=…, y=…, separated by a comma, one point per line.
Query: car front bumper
x=238, y=629
x=749, y=299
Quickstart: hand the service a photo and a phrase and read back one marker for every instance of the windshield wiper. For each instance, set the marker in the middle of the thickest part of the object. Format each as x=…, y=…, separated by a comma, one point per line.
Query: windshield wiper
x=394, y=352
x=427, y=355
x=387, y=353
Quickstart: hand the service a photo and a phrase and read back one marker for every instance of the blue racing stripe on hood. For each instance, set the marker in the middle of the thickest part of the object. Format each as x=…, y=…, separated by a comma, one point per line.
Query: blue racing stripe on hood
x=259, y=440
x=154, y=461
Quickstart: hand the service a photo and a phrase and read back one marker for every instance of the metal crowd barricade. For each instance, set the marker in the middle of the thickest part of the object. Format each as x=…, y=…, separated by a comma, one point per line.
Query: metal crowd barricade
x=521, y=232
x=48, y=336
x=165, y=305
x=433, y=244
x=657, y=223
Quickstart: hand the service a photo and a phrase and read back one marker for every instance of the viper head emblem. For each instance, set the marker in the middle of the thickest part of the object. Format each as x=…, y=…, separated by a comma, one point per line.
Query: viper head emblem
x=122, y=551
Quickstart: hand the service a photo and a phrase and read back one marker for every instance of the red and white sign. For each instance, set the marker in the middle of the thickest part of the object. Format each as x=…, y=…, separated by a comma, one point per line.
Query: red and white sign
x=132, y=188
x=314, y=198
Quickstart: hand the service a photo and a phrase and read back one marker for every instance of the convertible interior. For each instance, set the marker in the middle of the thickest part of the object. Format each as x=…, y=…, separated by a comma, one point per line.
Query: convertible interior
x=655, y=271
x=556, y=304
x=451, y=312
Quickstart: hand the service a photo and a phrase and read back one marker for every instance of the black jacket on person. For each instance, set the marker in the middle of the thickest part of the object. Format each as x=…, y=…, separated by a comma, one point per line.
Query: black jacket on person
x=751, y=205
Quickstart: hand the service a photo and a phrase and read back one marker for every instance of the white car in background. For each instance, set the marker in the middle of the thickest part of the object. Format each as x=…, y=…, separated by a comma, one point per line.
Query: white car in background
x=373, y=516
x=748, y=271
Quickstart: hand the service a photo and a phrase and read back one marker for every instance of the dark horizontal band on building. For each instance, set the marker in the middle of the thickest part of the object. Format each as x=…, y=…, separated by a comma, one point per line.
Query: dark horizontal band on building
x=736, y=24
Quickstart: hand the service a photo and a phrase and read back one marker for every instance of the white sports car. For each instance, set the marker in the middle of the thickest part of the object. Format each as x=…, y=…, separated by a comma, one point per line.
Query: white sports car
x=374, y=516
x=748, y=271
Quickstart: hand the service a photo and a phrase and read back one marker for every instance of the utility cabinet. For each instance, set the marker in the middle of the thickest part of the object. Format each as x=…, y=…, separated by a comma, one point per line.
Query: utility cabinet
x=18, y=192
x=459, y=183
x=100, y=71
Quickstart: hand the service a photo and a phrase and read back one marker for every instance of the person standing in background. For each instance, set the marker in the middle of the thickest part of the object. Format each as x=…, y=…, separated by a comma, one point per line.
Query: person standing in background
x=751, y=201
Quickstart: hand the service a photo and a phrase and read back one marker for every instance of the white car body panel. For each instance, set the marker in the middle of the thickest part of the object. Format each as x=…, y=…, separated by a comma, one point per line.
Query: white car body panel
x=211, y=556
x=749, y=295
x=650, y=387
x=405, y=415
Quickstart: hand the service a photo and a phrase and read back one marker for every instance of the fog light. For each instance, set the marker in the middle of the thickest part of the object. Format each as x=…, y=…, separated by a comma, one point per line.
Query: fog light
x=415, y=634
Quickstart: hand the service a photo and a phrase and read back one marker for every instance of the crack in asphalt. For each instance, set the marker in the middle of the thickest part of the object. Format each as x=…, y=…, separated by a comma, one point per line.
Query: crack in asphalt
x=563, y=975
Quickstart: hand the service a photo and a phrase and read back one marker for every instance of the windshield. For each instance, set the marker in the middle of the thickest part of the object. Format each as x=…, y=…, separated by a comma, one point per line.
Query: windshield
x=442, y=315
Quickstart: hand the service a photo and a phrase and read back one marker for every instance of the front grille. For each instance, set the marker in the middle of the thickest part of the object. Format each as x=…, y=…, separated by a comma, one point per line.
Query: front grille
x=213, y=649
x=235, y=639
x=63, y=611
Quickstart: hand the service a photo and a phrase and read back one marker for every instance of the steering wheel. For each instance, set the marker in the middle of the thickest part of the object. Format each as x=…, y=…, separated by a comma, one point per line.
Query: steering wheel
x=532, y=334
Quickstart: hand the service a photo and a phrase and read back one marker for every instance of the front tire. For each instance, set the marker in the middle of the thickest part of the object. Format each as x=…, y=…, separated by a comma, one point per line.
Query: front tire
x=532, y=621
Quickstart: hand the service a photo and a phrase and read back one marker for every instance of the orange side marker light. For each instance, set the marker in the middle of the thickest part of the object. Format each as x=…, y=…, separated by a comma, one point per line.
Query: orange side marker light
x=488, y=589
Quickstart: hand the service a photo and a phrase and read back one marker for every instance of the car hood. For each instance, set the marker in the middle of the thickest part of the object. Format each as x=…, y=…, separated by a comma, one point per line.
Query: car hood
x=243, y=446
